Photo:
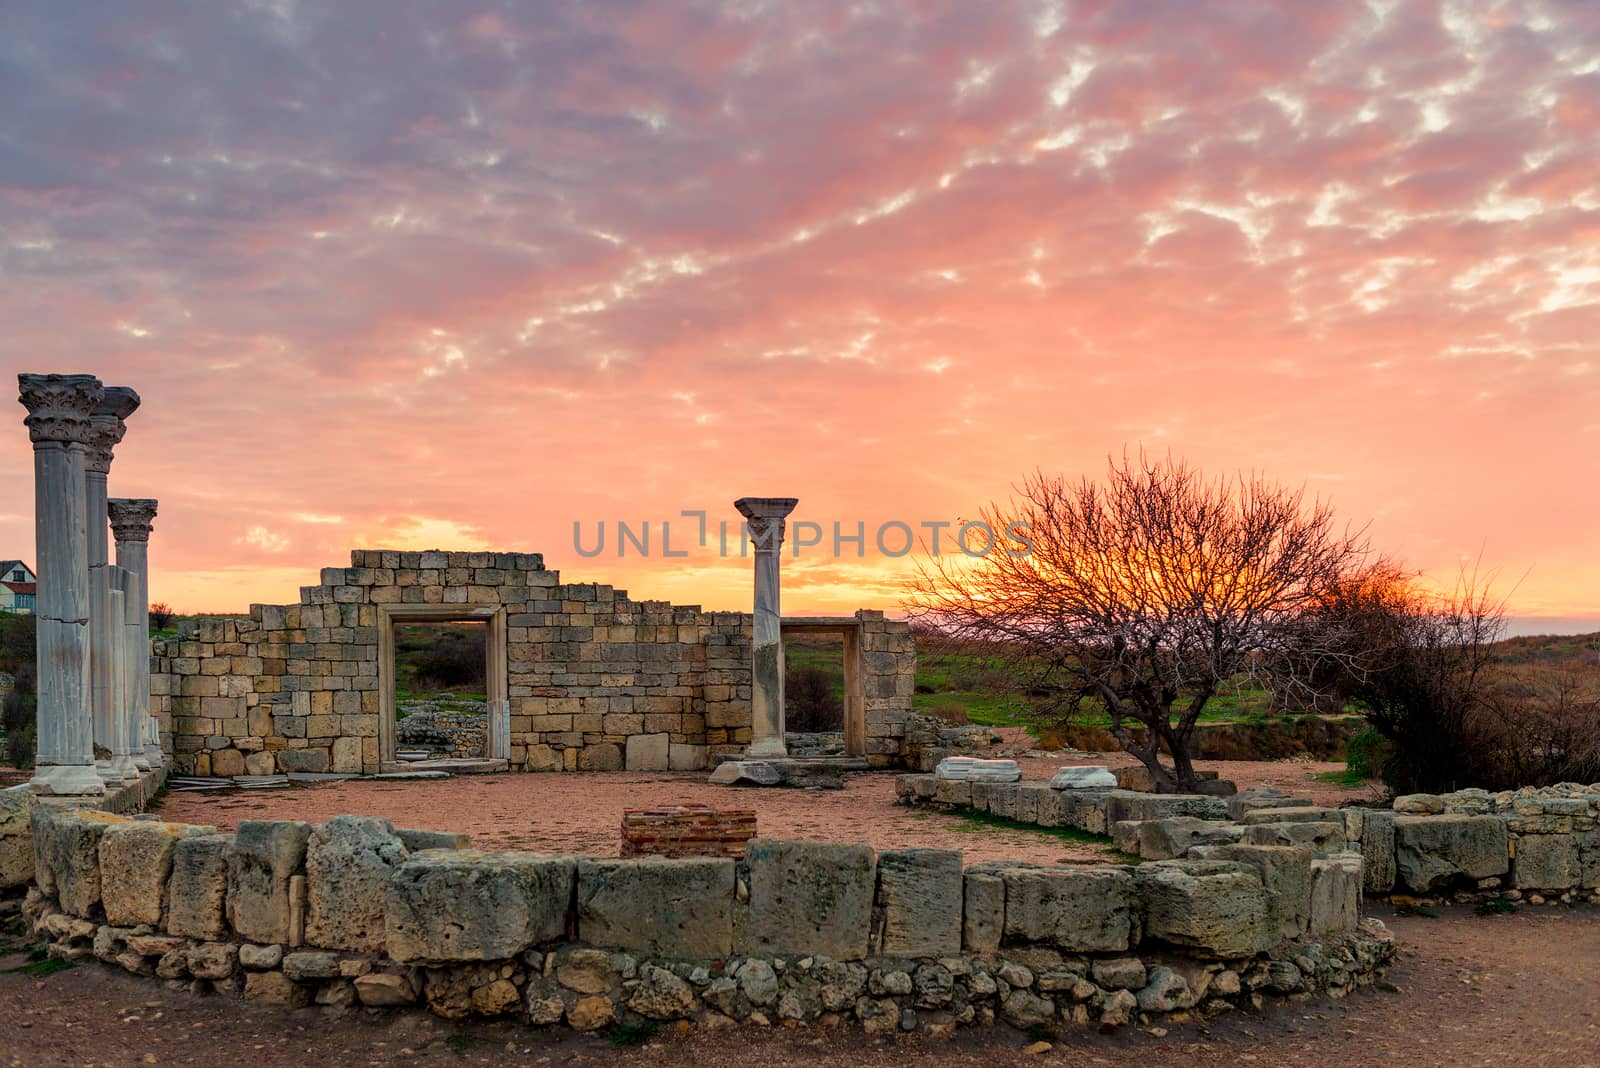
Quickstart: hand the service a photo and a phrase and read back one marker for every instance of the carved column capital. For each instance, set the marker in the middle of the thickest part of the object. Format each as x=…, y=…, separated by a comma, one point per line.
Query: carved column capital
x=59, y=406
x=109, y=426
x=130, y=517
x=764, y=517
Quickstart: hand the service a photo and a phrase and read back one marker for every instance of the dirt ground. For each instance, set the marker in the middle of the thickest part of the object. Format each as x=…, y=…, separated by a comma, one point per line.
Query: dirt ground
x=582, y=813
x=1520, y=989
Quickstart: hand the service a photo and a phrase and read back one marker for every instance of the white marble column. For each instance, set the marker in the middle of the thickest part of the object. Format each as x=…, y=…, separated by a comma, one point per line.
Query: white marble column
x=117, y=609
x=59, y=407
x=105, y=631
x=764, y=517
x=130, y=525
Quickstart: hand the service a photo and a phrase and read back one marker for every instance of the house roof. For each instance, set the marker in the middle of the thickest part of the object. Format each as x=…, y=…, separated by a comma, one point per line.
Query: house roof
x=22, y=587
x=7, y=565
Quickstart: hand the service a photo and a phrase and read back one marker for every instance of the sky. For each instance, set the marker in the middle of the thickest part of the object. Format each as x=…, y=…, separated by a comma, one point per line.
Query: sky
x=464, y=275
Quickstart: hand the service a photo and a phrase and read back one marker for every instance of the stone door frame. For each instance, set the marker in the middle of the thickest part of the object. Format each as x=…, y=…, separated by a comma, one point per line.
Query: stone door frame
x=497, y=743
x=855, y=702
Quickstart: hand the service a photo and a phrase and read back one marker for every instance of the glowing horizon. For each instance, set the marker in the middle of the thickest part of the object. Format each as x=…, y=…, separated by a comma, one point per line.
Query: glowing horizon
x=446, y=277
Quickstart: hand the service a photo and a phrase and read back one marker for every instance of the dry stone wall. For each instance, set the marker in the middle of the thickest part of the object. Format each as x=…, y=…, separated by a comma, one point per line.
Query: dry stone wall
x=357, y=912
x=596, y=681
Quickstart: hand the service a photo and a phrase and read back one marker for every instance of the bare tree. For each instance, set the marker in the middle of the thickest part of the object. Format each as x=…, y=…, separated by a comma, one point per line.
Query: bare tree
x=1147, y=592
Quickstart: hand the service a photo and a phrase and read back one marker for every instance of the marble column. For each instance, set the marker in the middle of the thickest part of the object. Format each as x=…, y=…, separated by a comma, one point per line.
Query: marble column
x=59, y=408
x=131, y=525
x=117, y=609
x=114, y=762
x=764, y=518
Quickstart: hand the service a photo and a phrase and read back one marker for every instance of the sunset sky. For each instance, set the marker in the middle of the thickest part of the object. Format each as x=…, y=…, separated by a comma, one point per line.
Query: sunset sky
x=461, y=275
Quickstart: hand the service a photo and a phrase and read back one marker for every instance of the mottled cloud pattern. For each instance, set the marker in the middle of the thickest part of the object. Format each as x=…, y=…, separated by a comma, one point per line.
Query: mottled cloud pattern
x=462, y=274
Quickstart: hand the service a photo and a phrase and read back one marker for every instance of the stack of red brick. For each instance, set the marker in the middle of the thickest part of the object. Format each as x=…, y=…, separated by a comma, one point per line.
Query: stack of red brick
x=687, y=831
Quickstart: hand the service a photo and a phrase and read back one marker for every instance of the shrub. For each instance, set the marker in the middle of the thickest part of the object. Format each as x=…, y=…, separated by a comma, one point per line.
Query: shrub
x=809, y=703
x=454, y=660
x=161, y=615
x=18, y=720
x=1366, y=753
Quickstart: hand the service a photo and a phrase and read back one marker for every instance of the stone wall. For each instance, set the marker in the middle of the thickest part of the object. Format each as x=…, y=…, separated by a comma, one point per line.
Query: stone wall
x=595, y=681
x=1532, y=841
x=354, y=911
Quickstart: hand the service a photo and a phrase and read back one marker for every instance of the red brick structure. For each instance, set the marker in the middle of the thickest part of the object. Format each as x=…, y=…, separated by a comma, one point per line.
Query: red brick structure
x=687, y=831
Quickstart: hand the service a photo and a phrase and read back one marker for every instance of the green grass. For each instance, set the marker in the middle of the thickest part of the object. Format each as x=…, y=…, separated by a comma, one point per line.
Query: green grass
x=39, y=965
x=632, y=1034
x=976, y=821
x=1348, y=777
x=1497, y=906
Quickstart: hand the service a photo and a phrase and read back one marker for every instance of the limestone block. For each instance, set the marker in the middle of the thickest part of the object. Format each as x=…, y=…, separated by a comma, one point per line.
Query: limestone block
x=1169, y=838
x=957, y=792
x=1073, y=908
x=1546, y=862
x=384, y=990
x=262, y=858
x=226, y=763
x=1285, y=872
x=416, y=840
x=467, y=904
x=198, y=887
x=349, y=861
x=1084, y=810
x=1377, y=850
x=1335, y=895
x=274, y=988
x=1215, y=907
x=648, y=752
x=983, y=914
x=1084, y=778
x=810, y=898
x=542, y=758
x=16, y=838
x=1430, y=851
x=68, y=844
x=1262, y=797
x=978, y=769
x=659, y=906
x=1129, y=805
x=686, y=757
x=603, y=757
x=1293, y=814
x=135, y=868
x=919, y=891
x=661, y=995
x=346, y=755
x=1318, y=837
x=311, y=964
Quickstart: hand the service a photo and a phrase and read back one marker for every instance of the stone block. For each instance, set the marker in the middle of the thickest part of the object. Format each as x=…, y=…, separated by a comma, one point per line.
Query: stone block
x=602, y=757
x=1086, y=910
x=198, y=887
x=1084, y=778
x=919, y=893
x=1128, y=805
x=1213, y=907
x=983, y=913
x=1285, y=873
x=67, y=845
x=810, y=898
x=1377, y=850
x=1292, y=814
x=274, y=988
x=136, y=867
x=416, y=840
x=1335, y=895
x=1262, y=797
x=349, y=861
x=1170, y=838
x=649, y=752
x=16, y=837
x=262, y=858
x=1546, y=862
x=1084, y=810
x=1318, y=837
x=346, y=755
x=658, y=906
x=683, y=757
x=1432, y=851
x=467, y=904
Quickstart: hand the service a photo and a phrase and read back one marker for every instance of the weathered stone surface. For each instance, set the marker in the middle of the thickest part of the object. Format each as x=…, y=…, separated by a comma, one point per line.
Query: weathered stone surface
x=1119, y=973
x=1217, y=907
x=978, y=769
x=1285, y=872
x=659, y=906
x=136, y=867
x=466, y=904
x=661, y=995
x=310, y=964
x=314, y=761
x=260, y=958
x=919, y=891
x=349, y=861
x=1335, y=895
x=1073, y=908
x=1129, y=805
x=1262, y=797
x=603, y=757
x=1084, y=778
x=810, y=898
x=591, y=1013
x=16, y=838
x=384, y=990
x=1419, y=804
x=1020, y=1008
x=67, y=843
x=198, y=886
x=212, y=960
x=1546, y=862
x=983, y=916
x=262, y=858
x=1082, y=809
x=746, y=773
x=1325, y=837
x=1166, y=991
x=416, y=841
x=1377, y=850
x=587, y=971
x=1430, y=851
x=1169, y=838
x=274, y=988
x=648, y=752
x=1292, y=814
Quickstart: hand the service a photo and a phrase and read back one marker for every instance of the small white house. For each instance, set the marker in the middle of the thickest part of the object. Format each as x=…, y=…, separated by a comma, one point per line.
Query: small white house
x=18, y=587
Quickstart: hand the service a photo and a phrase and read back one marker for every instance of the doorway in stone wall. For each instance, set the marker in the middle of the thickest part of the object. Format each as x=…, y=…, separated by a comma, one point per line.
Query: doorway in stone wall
x=442, y=685
x=824, y=707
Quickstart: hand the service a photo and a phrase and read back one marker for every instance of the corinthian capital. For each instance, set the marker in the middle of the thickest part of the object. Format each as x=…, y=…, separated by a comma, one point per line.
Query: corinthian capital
x=59, y=406
x=764, y=518
x=130, y=517
x=109, y=426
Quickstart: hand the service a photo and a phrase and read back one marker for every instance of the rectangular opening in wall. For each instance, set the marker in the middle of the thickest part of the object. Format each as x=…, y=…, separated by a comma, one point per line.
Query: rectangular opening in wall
x=441, y=689
x=814, y=693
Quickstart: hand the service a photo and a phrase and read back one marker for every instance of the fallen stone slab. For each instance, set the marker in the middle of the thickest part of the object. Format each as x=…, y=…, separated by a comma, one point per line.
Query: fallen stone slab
x=1171, y=838
x=1084, y=778
x=1320, y=837
x=801, y=773
x=978, y=769
x=1262, y=797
